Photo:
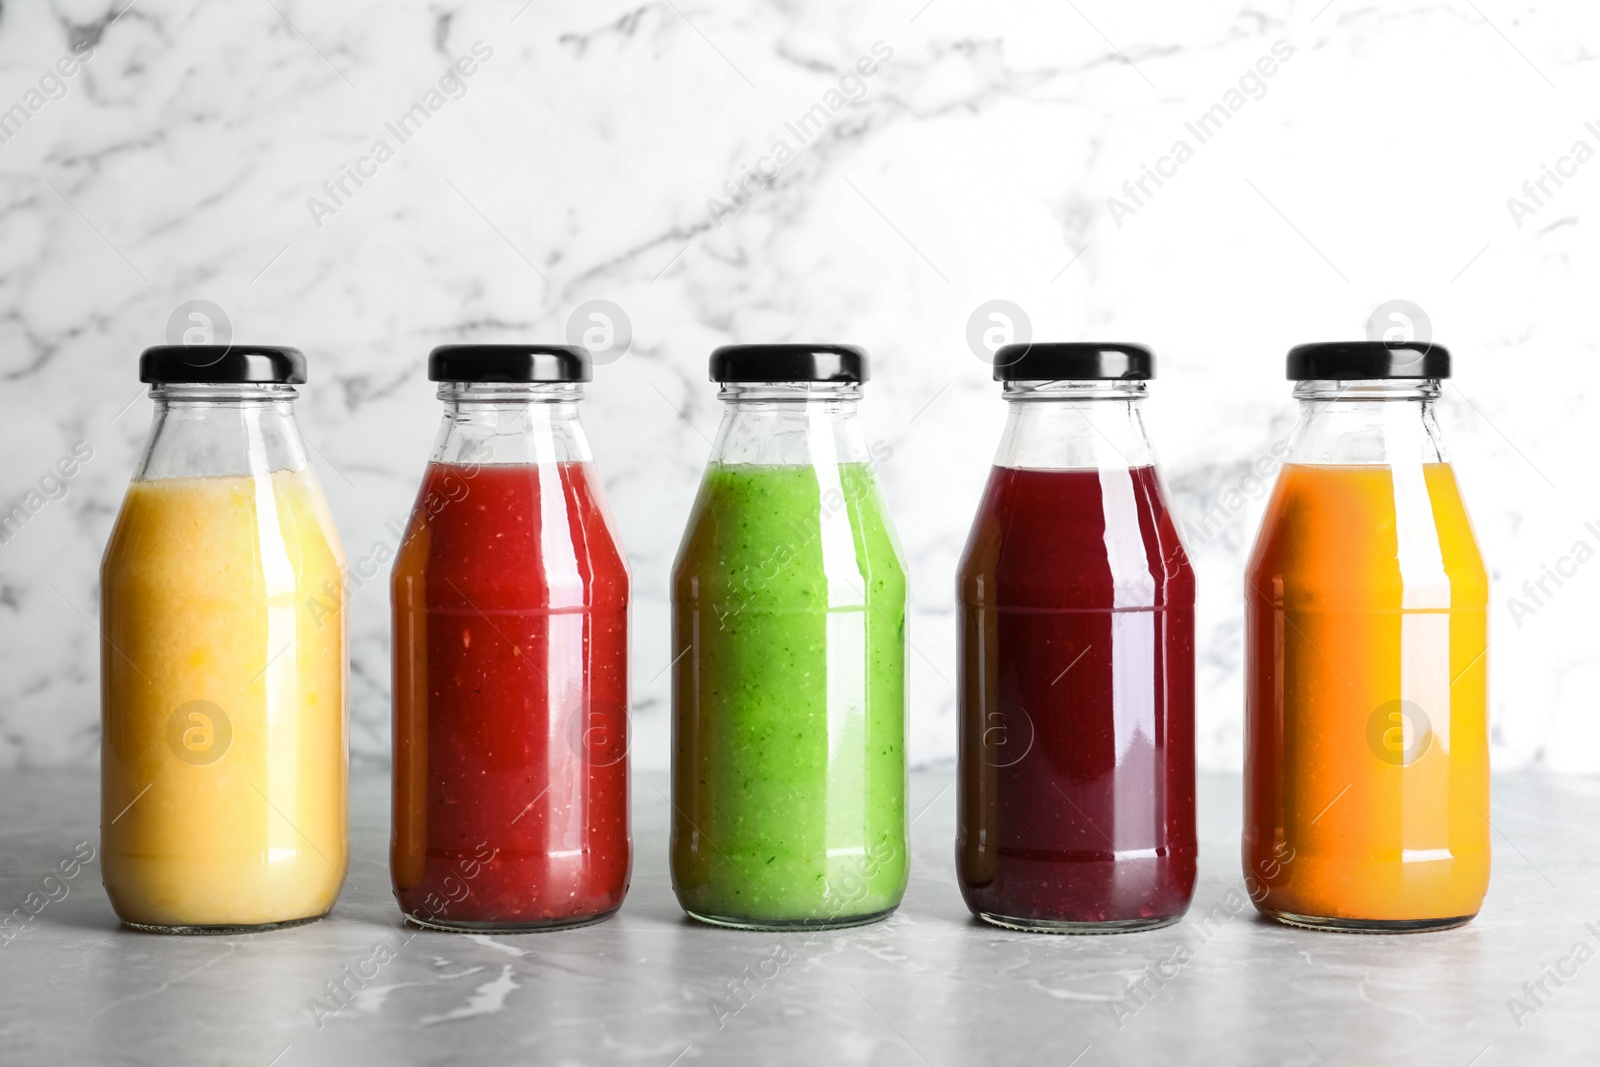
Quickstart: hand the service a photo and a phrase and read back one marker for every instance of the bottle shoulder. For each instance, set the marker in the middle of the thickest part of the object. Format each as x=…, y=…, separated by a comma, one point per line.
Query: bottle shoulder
x=1098, y=538
x=270, y=532
x=523, y=535
x=1368, y=534
x=789, y=531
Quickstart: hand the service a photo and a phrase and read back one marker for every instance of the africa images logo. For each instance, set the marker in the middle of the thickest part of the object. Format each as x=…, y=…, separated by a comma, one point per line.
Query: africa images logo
x=1399, y=732
x=199, y=732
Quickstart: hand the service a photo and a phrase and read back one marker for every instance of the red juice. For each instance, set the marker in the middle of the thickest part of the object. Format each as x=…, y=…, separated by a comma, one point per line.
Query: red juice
x=510, y=724
x=1076, y=803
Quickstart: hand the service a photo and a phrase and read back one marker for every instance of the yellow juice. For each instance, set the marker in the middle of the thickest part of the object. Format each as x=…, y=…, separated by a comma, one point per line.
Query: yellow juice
x=224, y=770
x=1367, y=758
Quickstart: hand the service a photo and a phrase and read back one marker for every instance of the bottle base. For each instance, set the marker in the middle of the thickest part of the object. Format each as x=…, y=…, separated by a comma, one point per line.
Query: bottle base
x=1052, y=926
x=450, y=926
x=843, y=922
x=1368, y=926
x=220, y=928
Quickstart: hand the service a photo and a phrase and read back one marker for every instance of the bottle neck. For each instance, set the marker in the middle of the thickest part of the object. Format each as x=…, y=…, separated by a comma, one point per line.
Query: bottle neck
x=511, y=423
x=1382, y=422
x=789, y=424
x=1075, y=425
x=221, y=430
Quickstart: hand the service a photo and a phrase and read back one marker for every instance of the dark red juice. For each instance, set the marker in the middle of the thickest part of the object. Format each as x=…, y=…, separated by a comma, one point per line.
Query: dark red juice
x=510, y=725
x=1076, y=800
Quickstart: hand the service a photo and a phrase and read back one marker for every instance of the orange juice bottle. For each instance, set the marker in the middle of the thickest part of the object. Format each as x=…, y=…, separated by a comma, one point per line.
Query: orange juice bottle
x=1366, y=733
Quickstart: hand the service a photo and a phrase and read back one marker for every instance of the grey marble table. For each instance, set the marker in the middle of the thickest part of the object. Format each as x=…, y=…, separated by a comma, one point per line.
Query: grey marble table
x=930, y=986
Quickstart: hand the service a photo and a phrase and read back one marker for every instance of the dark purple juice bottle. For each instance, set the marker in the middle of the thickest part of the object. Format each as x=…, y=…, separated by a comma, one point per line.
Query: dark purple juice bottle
x=1076, y=805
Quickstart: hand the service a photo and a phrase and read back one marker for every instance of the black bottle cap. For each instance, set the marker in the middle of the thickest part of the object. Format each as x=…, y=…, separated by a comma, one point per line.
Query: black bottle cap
x=1060, y=361
x=1348, y=361
x=509, y=363
x=789, y=363
x=222, y=365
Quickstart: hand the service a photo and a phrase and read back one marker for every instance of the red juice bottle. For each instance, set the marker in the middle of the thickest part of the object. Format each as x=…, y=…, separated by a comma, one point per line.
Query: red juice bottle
x=510, y=597
x=1076, y=777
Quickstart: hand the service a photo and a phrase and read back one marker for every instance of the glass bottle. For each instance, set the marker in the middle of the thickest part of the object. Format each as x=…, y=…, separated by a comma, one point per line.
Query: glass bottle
x=1366, y=749
x=510, y=597
x=789, y=673
x=224, y=750
x=1076, y=762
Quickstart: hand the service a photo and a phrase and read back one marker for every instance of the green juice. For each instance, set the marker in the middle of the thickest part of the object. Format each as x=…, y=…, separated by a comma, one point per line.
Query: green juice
x=789, y=769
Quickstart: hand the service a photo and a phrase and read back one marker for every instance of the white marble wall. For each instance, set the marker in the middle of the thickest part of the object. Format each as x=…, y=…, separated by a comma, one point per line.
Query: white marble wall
x=974, y=163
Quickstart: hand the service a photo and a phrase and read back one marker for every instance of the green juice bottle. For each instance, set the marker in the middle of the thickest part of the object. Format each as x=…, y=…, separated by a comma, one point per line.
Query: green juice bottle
x=789, y=672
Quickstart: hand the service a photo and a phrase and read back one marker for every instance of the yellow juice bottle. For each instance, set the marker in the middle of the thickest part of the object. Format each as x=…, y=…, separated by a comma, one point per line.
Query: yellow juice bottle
x=1367, y=768
x=224, y=778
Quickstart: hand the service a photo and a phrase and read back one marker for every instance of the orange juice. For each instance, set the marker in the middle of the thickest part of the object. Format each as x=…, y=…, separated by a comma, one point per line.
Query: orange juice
x=223, y=762
x=1367, y=767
